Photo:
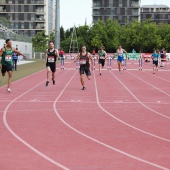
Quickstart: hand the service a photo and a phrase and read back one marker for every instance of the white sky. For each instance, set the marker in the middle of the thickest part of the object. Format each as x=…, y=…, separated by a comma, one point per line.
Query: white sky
x=77, y=11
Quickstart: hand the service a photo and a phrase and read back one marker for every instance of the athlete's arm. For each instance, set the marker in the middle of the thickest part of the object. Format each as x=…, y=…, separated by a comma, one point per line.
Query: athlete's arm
x=105, y=55
x=45, y=53
x=77, y=58
x=1, y=52
x=125, y=52
x=19, y=53
x=90, y=57
x=57, y=54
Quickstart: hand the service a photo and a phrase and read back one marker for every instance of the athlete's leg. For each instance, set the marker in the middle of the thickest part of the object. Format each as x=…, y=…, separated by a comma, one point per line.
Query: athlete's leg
x=153, y=68
x=48, y=73
x=119, y=65
x=89, y=77
x=9, y=79
x=100, y=66
x=82, y=79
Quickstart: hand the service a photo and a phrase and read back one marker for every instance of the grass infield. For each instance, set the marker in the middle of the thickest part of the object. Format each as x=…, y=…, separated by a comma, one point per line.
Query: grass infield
x=23, y=71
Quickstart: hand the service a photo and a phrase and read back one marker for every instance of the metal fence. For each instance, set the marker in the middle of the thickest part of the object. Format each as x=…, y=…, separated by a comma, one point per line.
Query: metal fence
x=9, y=34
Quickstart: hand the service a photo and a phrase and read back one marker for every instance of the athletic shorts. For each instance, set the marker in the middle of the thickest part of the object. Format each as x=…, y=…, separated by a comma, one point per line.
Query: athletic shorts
x=102, y=62
x=52, y=66
x=120, y=59
x=85, y=70
x=6, y=68
x=155, y=63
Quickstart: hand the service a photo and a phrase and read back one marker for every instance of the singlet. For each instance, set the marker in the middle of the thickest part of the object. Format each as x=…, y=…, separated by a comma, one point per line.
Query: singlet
x=7, y=57
x=120, y=52
x=84, y=60
x=155, y=56
x=51, y=56
x=101, y=55
x=61, y=53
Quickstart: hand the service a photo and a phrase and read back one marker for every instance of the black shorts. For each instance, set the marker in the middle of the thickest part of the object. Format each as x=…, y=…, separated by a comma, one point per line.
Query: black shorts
x=6, y=68
x=52, y=66
x=155, y=63
x=85, y=70
x=102, y=62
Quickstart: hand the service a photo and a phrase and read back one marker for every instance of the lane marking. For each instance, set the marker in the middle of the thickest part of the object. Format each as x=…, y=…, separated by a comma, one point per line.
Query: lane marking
x=95, y=140
x=23, y=141
x=138, y=99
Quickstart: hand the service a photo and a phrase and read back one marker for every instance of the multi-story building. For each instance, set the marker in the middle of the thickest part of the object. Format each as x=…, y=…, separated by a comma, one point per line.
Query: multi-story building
x=122, y=10
x=28, y=16
x=157, y=13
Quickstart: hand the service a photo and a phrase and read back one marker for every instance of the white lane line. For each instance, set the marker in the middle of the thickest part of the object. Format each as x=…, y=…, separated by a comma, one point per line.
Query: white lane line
x=97, y=97
x=139, y=100
x=95, y=140
x=23, y=141
x=150, y=84
x=156, y=76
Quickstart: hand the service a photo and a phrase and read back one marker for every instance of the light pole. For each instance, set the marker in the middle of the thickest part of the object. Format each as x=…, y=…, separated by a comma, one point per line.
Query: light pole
x=57, y=24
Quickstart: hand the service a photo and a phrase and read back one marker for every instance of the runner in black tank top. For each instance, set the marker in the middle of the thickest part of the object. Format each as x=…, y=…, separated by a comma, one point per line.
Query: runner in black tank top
x=102, y=55
x=52, y=55
x=84, y=58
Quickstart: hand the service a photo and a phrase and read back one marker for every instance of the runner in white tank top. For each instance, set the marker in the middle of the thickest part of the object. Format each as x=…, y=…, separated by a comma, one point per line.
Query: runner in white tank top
x=120, y=58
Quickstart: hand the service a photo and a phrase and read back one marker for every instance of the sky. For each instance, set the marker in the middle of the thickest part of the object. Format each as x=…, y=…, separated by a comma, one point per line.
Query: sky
x=76, y=12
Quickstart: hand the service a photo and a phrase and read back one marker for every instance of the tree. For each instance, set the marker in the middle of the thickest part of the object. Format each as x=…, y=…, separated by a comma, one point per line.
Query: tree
x=4, y=22
x=40, y=42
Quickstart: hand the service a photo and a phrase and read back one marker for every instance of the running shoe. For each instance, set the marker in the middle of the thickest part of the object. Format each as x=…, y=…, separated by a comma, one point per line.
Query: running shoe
x=53, y=82
x=100, y=74
x=83, y=88
x=47, y=83
x=8, y=90
x=119, y=72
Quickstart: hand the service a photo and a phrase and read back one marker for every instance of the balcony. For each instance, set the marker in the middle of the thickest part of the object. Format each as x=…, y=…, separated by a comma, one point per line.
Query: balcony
x=40, y=11
x=40, y=20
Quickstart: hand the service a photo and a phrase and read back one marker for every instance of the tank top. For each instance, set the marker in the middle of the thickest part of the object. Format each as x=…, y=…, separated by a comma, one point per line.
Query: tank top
x=101, y=55
x=84, y=60
x=120, y=52
x=7, y=57
x=51, y=57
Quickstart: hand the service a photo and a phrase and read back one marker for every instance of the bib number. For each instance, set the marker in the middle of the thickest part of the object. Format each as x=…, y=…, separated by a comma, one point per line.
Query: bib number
x=8, y=58
x=155, y=59
x=102, y=57
x=82, y=62
x=51, y=59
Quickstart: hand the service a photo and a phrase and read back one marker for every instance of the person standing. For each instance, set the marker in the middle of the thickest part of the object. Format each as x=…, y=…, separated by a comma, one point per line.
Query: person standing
x=162, y=55
x=155, y=57
x=120, y=53
x=6, y=61
x=102, y=55
x=84, y=57
x=51, y=56
x=15, y=59
x=61, y=54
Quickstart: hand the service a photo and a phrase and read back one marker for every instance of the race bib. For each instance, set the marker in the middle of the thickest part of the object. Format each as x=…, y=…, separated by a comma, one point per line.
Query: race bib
x=51, y=59
x=8, y=58
x=155, y=59
x=82, y=62
x=102, y=57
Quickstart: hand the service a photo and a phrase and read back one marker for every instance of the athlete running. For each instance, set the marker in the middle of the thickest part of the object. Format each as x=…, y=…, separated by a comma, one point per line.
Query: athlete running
x=120, y=51
x=61, y=54
x=84, y=58
x=6, y=61
x=155, y=57
x=51, y=56
x=102, y=57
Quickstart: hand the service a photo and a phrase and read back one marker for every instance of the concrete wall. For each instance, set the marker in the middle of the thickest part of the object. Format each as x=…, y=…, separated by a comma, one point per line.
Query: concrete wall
x=23, y=47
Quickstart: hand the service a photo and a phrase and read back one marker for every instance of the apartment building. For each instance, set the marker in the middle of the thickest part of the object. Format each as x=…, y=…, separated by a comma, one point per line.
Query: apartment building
x=157, y=13
x=29, y=16
x=122, y=10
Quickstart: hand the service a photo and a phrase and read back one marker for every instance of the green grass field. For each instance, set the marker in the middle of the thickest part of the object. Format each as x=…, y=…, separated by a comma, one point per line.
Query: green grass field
x=24, y=70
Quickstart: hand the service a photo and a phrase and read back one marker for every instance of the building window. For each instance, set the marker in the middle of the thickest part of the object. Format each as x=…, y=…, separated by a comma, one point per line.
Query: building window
x=22, y=25
x=16, y=25
x=120, y=3
x=30, y=25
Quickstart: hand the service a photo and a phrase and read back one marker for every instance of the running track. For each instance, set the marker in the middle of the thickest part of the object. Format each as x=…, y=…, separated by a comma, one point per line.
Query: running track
x=121, y=122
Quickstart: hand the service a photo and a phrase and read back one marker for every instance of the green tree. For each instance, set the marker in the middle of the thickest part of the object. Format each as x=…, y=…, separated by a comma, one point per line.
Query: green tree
x=40, y=42
x=4, y=22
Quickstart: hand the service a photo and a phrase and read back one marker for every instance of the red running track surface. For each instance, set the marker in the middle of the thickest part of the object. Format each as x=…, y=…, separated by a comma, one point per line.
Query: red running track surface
x=120, y=122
